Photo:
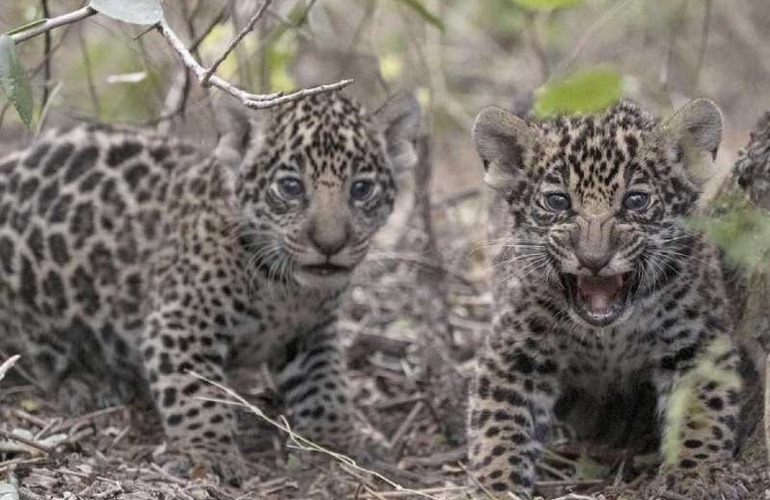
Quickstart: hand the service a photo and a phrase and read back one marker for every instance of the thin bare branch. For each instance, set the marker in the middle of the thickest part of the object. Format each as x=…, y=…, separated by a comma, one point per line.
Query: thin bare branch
x=704, y=37
x=255, y=101
x=56, y=22
x=46, y=58
x=204, y=80
x=589, y=33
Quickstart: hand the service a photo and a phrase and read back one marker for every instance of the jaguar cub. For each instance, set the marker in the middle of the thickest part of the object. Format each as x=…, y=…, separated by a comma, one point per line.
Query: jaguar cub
x=128, y=259
x=601, y=287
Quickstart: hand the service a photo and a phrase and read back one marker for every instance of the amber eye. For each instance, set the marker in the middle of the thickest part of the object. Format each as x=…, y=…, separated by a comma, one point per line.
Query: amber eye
x=558, y=202
x=362, y=190
x=636, y=200
x=290, y=188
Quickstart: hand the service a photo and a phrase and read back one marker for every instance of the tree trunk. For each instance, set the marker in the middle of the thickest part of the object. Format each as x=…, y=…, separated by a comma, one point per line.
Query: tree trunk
x=750, y=287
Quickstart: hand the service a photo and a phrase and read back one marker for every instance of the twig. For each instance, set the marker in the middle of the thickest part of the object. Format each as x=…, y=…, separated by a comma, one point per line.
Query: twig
x=204, y=79
x=27, y=442
x=570, y=482
x=537, y=44
x=8, y=364
x=670, y=495
x=46, y=58
x=301, y=442
x=767, y=404
x=589, y=33
x=704, y=37
x=255, y=101
x=405, y=426
x=48, y=25
x=476, y=482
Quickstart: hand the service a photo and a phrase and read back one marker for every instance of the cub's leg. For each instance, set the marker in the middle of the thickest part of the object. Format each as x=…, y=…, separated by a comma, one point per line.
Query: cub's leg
x=699, y=391
x=183, y=335
x=315, y=389
x=511, y=401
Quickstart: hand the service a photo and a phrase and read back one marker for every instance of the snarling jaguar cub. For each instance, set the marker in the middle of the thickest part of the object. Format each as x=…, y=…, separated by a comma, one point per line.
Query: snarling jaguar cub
x=600, y=286
x=128, y=259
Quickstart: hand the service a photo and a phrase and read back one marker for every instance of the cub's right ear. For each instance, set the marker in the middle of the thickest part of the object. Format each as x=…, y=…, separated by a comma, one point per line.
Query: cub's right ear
x=502, y=140
x=239, y=130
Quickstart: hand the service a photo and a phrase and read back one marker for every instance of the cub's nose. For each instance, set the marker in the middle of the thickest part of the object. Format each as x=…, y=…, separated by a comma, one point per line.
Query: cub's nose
x=593, y=261
x=328, y=240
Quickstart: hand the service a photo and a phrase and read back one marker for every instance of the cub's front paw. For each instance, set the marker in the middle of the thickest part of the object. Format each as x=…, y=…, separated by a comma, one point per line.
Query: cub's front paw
x=226, y=466
x=704, y=482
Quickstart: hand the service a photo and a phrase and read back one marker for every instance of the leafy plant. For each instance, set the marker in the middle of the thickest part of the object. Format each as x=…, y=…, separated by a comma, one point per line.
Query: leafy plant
x=742, y=232
x=14, y=80
x=135, y=12
x=581, y=92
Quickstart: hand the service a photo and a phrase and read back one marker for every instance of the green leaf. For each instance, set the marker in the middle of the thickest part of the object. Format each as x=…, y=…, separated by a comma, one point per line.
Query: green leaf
x=743, y=233
x=546, y=5
x=424, y=13
x=14, y=80
x=581, y=92
x=130, y=11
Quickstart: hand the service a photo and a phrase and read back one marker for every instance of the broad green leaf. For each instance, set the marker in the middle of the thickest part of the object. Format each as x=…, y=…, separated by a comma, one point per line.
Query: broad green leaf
x=581, y=92
x=130, y=11
x=546, y=4
x=14, y=80
x=742, y=233
x=425, y=14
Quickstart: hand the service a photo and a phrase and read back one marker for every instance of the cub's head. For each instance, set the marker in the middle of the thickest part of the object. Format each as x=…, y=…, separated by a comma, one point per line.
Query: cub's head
x=598, y=201
x=315, y=180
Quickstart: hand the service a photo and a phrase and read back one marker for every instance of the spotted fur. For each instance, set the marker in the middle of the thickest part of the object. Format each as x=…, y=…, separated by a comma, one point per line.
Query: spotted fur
x=128, y=259
x=600, y=288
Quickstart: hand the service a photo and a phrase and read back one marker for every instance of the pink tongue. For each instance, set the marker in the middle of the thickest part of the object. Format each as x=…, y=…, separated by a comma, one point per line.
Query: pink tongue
x=599, y=292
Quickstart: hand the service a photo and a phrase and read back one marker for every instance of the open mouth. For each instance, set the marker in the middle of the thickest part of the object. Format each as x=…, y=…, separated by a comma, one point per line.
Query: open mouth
x=326, y=269
x=599, y=300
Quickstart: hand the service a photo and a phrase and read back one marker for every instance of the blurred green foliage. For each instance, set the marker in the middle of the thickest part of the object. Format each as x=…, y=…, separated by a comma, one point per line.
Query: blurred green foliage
x=425, y=14
x=581, y=92
x=546, y=5
x=741, y=230
x=14, y=80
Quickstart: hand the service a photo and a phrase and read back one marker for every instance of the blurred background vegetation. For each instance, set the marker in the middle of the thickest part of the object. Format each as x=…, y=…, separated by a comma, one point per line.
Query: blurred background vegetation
x=457, y=55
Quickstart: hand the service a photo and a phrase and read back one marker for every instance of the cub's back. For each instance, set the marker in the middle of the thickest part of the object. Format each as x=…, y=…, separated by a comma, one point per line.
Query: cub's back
x=80, y=214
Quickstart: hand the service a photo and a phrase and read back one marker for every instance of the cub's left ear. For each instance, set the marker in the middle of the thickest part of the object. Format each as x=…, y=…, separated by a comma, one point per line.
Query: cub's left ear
x=696, y=126
x=399, y=121
x=239, y=130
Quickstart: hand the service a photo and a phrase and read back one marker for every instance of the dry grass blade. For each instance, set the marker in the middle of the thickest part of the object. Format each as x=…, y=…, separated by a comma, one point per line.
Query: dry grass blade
x=767, y=405
x=8, y=364
x=301, y=442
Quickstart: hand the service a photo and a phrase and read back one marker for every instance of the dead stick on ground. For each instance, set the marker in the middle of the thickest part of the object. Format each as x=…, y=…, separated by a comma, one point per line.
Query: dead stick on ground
x=301, y=442
x=27, y=442
x=767, y=405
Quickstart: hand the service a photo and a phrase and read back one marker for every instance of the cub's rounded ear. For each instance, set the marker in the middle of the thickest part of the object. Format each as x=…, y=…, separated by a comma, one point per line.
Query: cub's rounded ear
x=239, y=130
x=695, y=130
x=697, y=124
x=502, y=140
x=399, y=121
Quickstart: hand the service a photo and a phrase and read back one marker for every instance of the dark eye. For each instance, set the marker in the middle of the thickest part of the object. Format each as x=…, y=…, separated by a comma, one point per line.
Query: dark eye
x=290, y=188
x=361, y=190
x=636, y=200
x=557, y=202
